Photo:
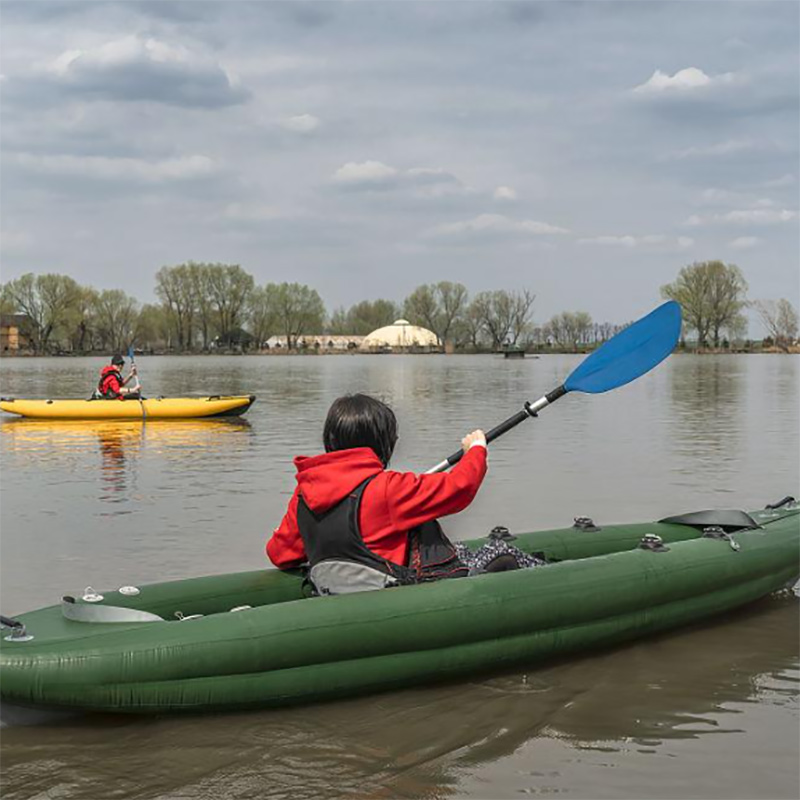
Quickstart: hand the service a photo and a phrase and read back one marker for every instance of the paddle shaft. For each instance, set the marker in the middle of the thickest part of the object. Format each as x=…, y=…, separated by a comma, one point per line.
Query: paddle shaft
x=529, y=410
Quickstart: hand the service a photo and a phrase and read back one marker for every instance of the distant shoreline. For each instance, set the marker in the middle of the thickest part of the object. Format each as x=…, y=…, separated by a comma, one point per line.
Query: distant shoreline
x=793, y=350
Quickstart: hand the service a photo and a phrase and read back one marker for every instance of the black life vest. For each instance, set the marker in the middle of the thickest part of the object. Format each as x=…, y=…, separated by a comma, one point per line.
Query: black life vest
x=340, y=562
x=104, y=386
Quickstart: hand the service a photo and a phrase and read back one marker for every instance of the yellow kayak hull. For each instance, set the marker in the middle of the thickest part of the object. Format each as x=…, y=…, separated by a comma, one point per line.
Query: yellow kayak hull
x=151, y=408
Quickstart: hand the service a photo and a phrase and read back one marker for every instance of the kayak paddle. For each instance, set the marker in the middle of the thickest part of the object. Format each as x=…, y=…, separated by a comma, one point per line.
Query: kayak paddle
x=623, y=358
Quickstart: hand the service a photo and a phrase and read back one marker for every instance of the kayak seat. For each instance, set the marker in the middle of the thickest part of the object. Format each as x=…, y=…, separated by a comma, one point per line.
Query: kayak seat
x=729, y=520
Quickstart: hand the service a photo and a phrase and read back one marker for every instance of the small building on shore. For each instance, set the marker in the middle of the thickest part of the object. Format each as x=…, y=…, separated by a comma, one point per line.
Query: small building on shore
x=317, y=342
x=401, y=337
x=12, y=337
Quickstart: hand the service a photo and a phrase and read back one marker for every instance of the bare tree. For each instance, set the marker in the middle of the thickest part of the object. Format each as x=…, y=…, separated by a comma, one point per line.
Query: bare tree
x=780, y=320
x=504, y=315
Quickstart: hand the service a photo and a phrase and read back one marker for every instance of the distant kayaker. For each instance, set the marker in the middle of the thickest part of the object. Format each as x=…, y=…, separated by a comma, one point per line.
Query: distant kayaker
x=359, y=526
x=112, y=385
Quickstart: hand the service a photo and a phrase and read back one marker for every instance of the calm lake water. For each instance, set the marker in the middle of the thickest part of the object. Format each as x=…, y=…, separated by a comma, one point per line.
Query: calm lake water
x=707, y=712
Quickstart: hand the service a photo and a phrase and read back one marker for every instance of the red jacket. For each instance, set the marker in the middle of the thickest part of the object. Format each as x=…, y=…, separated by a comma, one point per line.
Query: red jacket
x=110, y=381
x=392, y=504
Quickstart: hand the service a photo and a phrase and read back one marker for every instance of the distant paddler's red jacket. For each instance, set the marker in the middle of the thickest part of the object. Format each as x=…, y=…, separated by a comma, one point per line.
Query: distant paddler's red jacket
x=392, y=504
x=111, y=383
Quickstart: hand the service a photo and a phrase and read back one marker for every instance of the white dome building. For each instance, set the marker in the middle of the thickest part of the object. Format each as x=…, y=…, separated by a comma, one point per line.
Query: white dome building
x=401, y=336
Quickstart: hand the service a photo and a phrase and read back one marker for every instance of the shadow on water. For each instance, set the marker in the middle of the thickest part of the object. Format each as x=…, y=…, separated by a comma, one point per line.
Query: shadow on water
x=418, y=743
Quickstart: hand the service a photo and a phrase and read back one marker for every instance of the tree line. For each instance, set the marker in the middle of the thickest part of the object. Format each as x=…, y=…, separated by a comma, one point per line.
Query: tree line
x=713, y=297
x=204, y=306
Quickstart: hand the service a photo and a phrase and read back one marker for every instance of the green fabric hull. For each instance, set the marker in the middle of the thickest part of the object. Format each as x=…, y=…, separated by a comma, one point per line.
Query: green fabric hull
x=290, y=649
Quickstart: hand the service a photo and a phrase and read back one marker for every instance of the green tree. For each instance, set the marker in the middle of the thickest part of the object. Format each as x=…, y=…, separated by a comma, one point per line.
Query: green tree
x=229, y=289
x=261, y=315
x=712, y=295
x=115, y=316
x=298, y=309
x=152, y=327
x=438, y=307
x=175, y=288
x=364, y=317
x=570, y=328
x=49, y=301
x=199, y=275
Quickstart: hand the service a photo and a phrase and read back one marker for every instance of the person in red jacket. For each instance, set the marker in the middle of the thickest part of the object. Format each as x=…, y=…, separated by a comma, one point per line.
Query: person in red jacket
x=358, y=525
x=111, y=384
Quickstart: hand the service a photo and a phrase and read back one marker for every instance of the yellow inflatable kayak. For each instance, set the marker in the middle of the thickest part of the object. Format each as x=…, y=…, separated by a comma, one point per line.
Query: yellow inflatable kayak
x=150, y=408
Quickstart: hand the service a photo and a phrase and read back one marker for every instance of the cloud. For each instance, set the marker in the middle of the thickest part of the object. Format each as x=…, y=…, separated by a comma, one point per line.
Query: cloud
x=725, y=197
x=496, y=224
x=744, y=242
x=505, y=193
x=137, y=68
x=302, y=123
x=120, y=169
x=686, y=80
x=366, y=174
x=370, y=175
x=746, y=216
x=629, y=241
x=730, y=147
x=778, y=183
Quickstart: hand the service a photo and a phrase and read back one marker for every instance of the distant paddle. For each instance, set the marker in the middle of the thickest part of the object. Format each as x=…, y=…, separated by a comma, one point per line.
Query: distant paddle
x=622, y=359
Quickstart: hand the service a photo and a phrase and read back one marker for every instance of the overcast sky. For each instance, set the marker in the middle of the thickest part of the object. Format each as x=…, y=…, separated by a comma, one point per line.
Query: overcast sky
x=583, y=150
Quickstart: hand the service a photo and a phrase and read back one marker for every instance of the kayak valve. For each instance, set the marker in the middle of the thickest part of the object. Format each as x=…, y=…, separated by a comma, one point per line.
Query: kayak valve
x=653, y=542
x=18, y=631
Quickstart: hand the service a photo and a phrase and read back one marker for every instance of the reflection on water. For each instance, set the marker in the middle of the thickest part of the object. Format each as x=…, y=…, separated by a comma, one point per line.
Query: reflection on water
x=708, y=403
x=48, y=444
x=643, y=699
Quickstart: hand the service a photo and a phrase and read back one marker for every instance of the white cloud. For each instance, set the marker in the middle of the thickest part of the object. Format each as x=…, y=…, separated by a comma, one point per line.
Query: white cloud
x=629, y=241
x=365, y=173
x=144, y=68
x=302, y=123
x=745, y=216
x=505, y=193
x=130, y=169
x=497, y=224
x=424, y=181
x=744, y=242
x=685, y=80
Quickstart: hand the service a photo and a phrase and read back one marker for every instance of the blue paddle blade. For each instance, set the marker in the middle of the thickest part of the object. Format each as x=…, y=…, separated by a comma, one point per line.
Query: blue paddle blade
x=630, y=353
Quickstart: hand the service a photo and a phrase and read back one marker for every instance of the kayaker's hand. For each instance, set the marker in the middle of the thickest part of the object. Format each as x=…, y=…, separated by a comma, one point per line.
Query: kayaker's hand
x=476, y=437
x=133, y=369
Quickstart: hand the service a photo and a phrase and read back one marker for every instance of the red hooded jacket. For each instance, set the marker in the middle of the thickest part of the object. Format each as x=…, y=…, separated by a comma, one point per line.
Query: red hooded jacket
x=110, y=381
x=392, y=504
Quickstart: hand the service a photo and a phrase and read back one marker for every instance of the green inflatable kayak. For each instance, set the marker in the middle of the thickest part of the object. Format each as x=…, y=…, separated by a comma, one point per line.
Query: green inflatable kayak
x=255, y=639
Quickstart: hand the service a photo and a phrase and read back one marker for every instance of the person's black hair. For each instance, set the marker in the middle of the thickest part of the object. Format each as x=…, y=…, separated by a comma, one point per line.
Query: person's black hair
x=358, y=420
x=117, y=359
